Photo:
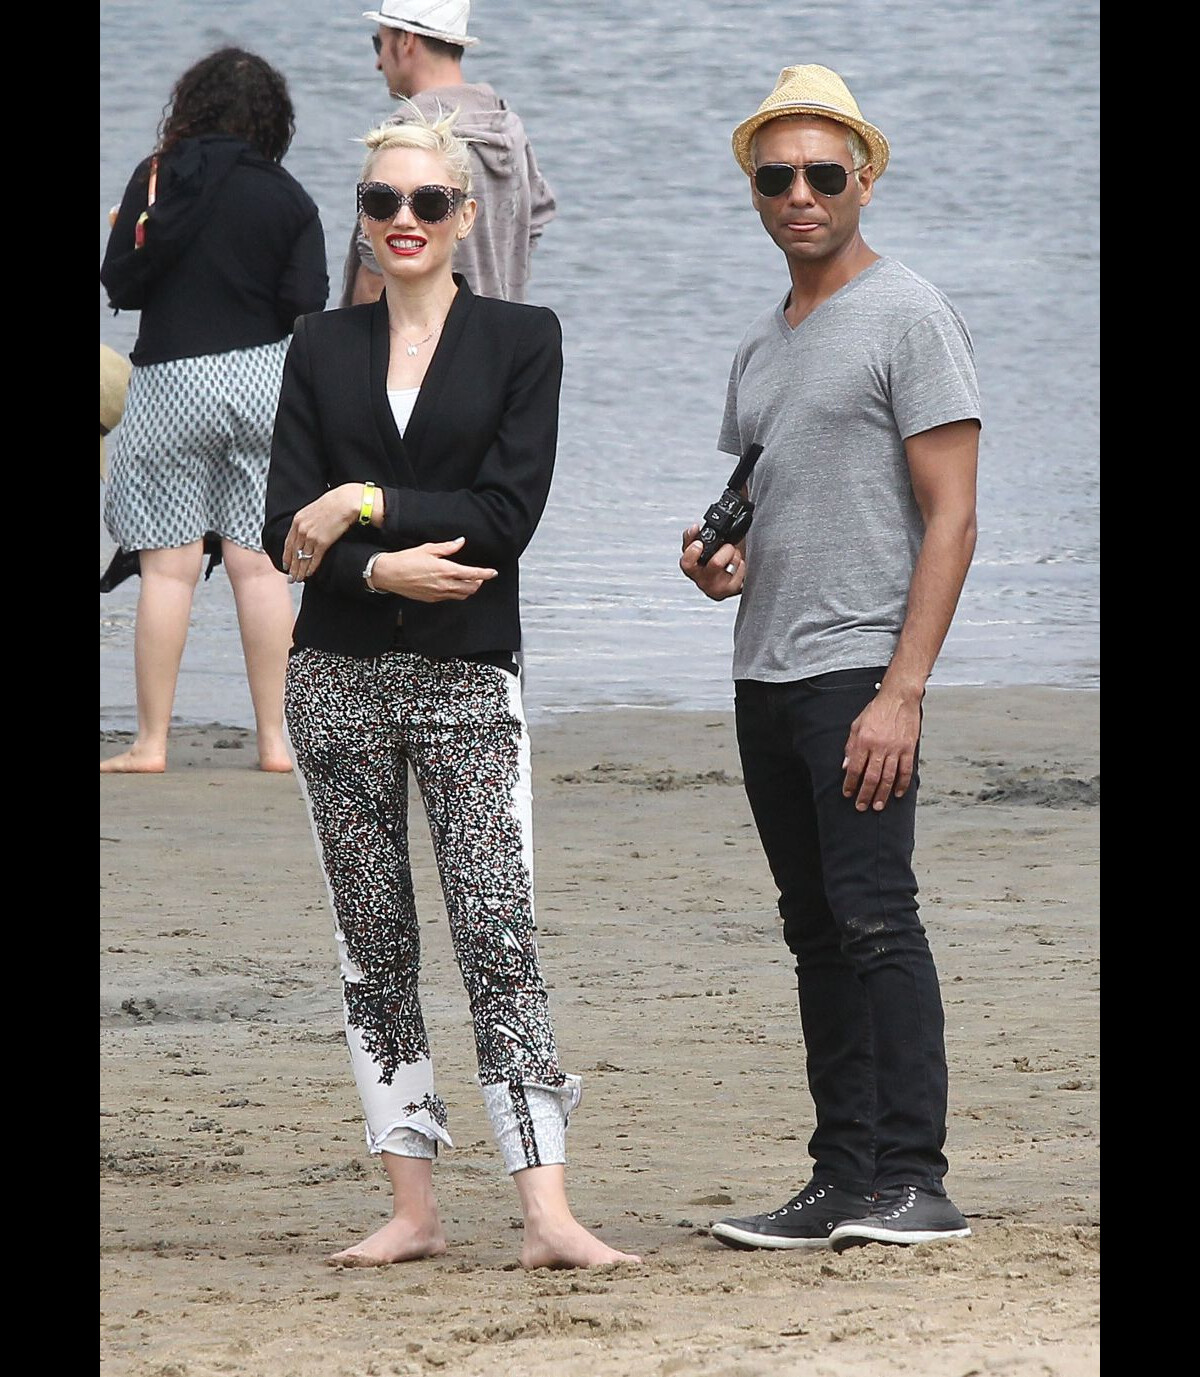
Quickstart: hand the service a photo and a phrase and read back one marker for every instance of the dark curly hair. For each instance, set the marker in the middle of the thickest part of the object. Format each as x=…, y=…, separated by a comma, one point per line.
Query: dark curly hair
x=234, y=92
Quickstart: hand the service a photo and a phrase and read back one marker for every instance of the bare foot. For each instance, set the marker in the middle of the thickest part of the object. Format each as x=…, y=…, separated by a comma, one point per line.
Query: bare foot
x=273, y=753
x=137, y=760
x=567, y=1244
x=398, y=1241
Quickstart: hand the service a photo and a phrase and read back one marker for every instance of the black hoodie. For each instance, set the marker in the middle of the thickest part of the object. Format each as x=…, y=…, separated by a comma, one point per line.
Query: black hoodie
x=234, y=251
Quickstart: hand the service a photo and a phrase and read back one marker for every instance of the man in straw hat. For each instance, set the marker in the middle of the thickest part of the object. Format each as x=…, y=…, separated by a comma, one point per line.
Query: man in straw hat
x=860, y=387
x=419, y=49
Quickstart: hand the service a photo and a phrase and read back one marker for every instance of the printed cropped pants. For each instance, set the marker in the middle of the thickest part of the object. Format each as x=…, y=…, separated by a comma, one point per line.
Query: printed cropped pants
x=357, y=725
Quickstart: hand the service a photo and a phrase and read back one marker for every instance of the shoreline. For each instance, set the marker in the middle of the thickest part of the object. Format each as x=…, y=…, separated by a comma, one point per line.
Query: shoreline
x=540, y=715
x=233, y=1157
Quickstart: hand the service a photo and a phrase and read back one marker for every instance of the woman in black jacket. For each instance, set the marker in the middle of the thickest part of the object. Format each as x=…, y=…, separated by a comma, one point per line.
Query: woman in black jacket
x=220, y=249
x=412, y=457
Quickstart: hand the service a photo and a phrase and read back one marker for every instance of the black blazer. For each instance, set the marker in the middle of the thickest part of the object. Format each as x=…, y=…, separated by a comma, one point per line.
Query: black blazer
x=475, y=461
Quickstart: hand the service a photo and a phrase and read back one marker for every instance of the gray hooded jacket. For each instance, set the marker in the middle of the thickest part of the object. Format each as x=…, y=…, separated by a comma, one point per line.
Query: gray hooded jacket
x=515, y=203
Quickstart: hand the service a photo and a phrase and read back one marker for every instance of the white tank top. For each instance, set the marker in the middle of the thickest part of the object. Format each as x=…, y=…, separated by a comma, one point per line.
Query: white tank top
x=402, y=402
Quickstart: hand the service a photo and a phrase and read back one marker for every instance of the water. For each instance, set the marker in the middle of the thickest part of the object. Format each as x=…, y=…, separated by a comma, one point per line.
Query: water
x=656, y=263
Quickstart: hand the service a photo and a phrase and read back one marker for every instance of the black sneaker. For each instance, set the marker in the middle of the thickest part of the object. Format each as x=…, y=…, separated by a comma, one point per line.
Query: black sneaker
x=806, y=1221
x=902, y=1215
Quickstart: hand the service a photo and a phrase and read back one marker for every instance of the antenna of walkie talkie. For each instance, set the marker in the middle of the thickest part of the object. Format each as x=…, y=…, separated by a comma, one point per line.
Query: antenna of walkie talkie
x=729, y=517
x=737, y=479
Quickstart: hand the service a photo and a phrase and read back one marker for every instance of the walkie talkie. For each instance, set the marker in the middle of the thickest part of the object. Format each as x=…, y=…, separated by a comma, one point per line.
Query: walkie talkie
x=729, y=517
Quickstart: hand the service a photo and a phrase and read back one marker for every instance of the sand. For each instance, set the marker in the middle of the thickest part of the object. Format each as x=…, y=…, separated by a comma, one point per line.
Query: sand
x=232, y=1151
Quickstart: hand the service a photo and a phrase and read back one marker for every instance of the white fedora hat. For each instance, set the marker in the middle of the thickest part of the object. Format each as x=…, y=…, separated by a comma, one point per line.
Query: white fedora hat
x=442, y=19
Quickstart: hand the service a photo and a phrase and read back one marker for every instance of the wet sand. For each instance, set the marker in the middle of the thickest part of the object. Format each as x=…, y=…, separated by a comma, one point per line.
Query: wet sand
x=232, y=1152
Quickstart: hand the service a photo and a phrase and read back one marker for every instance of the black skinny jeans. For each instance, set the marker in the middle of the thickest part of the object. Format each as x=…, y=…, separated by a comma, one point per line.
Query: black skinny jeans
x=870, y=1006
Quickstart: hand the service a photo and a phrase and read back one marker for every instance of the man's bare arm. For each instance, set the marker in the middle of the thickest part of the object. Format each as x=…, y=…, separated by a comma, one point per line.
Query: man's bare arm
x=881, y=748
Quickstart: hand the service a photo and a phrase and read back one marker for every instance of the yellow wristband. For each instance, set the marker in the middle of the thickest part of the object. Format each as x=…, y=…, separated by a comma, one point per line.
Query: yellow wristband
x=368, y=504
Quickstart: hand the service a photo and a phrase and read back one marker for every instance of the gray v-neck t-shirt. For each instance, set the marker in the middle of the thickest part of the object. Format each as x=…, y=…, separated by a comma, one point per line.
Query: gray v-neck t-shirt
x=837, y=530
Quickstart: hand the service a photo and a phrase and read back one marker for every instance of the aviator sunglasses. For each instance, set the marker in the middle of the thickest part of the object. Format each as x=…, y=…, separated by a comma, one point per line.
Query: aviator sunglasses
x=827, y=179
x=432, y=204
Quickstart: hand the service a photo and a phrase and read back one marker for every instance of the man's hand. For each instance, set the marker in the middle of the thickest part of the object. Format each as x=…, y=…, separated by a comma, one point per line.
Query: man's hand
x=723, y=575
x=881, y=751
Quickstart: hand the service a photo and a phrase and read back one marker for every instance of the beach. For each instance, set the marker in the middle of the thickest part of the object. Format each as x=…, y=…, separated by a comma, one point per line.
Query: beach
x=232, y=1151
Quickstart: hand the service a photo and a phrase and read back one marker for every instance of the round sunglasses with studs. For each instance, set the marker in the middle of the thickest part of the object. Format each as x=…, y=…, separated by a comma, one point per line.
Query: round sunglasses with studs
x=827, y=179
x=430, y=204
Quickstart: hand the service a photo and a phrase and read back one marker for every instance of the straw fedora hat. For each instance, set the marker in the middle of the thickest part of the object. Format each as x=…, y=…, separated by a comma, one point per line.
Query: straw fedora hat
x=442, y=19
x=810, y=90
x=114, y=382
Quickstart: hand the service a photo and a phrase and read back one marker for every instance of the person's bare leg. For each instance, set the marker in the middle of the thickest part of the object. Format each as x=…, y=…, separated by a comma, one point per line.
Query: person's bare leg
x=414, y=1230
x=553, y=1236
x=265, y=616
x=164, y=608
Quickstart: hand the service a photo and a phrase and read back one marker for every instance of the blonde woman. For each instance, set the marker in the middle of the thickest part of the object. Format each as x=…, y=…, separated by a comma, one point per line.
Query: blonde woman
x=412, y=458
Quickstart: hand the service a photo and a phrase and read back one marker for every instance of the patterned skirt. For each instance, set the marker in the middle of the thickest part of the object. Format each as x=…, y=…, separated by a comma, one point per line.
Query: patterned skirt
x=192, y=450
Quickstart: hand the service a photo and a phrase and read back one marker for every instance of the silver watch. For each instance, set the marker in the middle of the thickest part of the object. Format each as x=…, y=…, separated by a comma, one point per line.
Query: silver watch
x=370, y=569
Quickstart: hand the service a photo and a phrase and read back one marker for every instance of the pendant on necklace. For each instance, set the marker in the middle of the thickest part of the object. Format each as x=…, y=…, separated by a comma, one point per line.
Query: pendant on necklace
x=412, y=350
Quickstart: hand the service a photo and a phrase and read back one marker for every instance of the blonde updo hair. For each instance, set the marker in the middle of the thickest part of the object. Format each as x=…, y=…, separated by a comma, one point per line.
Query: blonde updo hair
x=435, y=136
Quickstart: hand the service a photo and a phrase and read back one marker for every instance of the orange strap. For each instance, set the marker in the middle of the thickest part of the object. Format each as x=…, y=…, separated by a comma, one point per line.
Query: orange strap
x=139, y=230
